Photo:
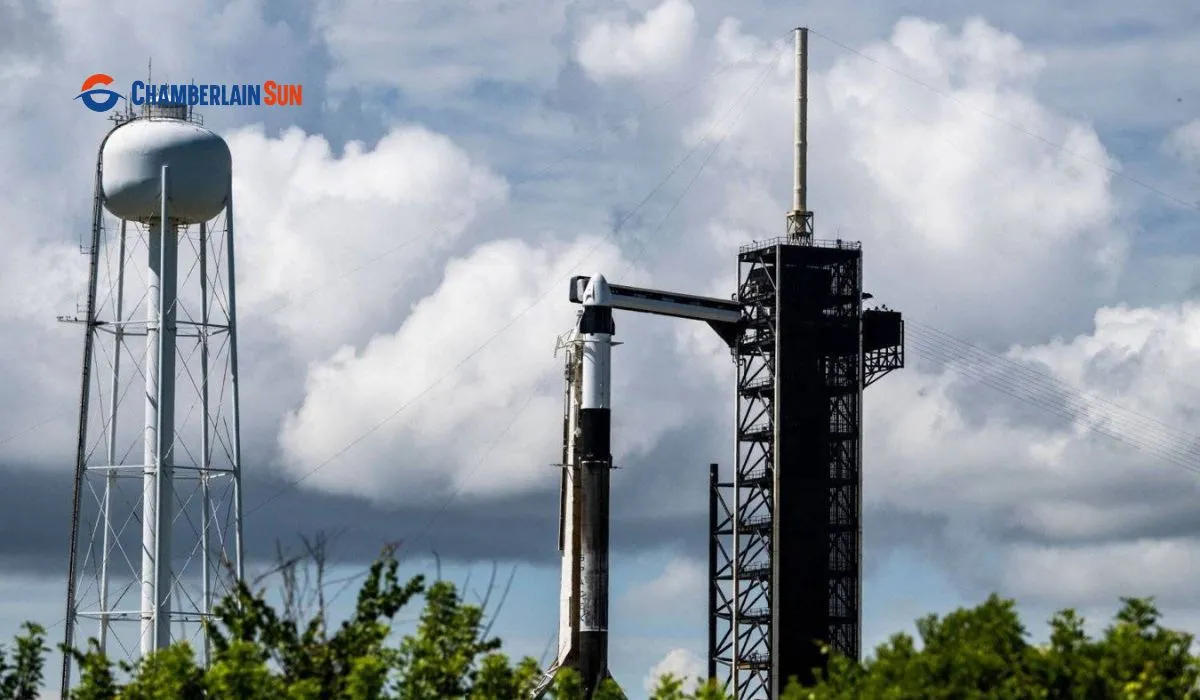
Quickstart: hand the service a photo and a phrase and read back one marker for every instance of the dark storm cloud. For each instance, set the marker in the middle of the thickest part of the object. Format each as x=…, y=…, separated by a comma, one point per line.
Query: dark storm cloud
x=35, y=516
x=660, y=501
x=1160, y=523
x=1136, y=510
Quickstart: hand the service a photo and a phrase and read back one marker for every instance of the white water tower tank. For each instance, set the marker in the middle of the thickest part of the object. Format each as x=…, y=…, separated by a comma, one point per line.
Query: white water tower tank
x=198, y=163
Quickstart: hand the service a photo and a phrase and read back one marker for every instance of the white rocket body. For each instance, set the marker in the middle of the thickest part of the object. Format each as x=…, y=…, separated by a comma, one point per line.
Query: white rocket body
x=587, y=464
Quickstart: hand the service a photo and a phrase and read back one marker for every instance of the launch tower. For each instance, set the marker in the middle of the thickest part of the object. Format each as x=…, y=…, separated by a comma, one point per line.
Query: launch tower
x=786, y=532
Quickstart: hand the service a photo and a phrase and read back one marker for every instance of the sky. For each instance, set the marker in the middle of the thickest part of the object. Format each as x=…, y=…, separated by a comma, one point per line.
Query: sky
x=1023, y=179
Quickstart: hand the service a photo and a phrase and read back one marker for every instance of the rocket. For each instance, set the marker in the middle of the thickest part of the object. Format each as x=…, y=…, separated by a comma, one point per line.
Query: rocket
x=584, y=514
x=587, y=461
x=596, y=330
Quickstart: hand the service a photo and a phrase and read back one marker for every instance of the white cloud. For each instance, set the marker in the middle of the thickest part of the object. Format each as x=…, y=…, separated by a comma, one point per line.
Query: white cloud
x=939, y=187
x=680, y=663
x=307, y=219
x=658, y=43
x=1044, y=490
x=39, y=282
x=443, y=441
x=680, y=586
x=937, y=452
x=940, y=192
x=1184, y=142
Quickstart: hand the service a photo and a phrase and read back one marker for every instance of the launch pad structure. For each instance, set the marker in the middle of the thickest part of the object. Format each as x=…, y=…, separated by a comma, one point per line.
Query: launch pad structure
x=785, y=549
x=785, y=534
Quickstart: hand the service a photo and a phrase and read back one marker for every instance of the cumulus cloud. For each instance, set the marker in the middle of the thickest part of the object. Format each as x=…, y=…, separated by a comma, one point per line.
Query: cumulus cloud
x=442, y=442
x=680, y=663
x=973, y=226
x=936, y=174
x=309, y=219
x=657, y=43
x=1047, y=488
x=1134, y=366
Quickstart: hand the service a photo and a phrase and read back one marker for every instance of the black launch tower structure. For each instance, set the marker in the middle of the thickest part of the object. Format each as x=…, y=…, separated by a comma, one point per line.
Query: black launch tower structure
x=786, y=532
x=785, y=549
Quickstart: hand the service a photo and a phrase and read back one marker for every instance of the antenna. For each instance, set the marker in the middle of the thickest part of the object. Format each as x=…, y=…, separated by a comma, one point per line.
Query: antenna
x=800, y=218
x=146, y=108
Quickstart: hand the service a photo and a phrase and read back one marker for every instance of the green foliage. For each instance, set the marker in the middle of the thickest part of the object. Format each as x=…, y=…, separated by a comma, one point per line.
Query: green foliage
x=258, y=654
x=439, y=661
x=983, y=653
x=353, y=662
x=169, y=674
x=608, y=690
x=567, y=686
x=669, y=688
x=21, y=678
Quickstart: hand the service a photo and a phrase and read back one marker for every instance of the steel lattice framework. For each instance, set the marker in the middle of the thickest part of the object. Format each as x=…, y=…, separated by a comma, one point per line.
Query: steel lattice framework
x=786, y=533
x=205, y=460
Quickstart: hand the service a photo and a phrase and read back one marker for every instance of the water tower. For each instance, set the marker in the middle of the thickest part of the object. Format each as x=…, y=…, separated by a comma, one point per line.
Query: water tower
x=156, y=535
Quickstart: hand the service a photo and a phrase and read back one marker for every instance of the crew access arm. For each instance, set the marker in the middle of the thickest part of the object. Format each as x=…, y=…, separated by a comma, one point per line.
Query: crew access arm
x=723, y=315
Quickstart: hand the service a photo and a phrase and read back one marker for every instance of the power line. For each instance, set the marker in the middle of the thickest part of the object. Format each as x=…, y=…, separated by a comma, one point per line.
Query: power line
x=1147, y=422
x=606, y=133
x=745, y=99
x=29, y=429
x=1079, y=407
x=541, y=385
x=385, y=253
x=542, y=297
x=1034, y=394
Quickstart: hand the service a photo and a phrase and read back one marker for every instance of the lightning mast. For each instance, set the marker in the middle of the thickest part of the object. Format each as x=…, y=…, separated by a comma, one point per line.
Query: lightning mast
x=800, y=220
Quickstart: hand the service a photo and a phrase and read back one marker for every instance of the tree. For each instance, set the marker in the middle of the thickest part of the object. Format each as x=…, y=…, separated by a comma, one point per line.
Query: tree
x=984, y=653
x=21, y=678
x=258, y=653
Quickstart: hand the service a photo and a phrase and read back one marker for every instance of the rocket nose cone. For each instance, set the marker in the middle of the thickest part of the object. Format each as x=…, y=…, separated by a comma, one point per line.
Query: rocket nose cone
x=597, y=293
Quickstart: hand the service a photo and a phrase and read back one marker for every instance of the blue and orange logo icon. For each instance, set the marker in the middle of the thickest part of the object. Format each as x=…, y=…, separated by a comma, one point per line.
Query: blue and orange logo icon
x=98, y=99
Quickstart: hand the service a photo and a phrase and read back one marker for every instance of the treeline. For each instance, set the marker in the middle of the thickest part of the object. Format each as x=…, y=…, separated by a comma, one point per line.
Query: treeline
x=260, y=653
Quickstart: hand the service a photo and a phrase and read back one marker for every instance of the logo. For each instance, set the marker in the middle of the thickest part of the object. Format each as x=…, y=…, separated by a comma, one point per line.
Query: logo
x=98, y=99
x=269, y=94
